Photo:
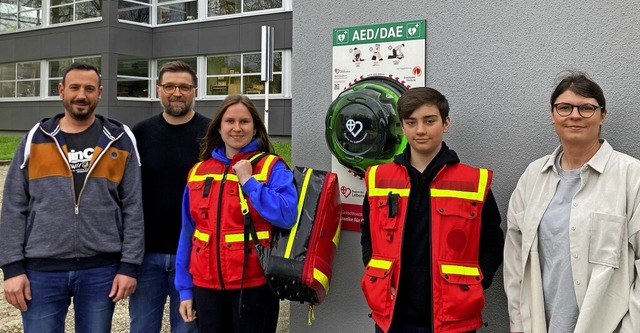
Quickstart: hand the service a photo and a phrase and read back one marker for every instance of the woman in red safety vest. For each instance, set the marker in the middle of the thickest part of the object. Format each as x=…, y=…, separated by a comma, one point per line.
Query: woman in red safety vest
x=218, y=273
x=431, y=236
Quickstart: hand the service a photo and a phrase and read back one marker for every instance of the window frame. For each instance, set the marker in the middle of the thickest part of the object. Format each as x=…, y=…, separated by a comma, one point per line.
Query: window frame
x=17, y=80
x=284, y=72
x=149, y=78
x=17, y=13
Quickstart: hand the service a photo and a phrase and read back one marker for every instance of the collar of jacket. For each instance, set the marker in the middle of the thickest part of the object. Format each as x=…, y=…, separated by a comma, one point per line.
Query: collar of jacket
x=52, y=125
x=598, y=162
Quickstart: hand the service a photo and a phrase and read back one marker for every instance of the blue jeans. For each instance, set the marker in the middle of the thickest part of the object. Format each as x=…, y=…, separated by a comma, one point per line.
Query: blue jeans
x=155, y=283
x=51, y=294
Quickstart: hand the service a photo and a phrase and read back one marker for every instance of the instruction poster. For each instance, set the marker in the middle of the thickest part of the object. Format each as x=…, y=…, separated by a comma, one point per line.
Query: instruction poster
x=395, y=50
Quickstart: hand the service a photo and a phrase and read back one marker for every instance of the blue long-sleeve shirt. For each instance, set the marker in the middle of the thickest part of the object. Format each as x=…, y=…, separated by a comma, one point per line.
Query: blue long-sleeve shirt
x=275, y=201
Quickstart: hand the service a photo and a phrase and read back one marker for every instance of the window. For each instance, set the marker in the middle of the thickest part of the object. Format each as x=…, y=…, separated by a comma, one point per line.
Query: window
x=58, y=66
x=170, y=11
x=20, y=14
x=240, y=74
x=133, y=77
x=253, y=5
x=226, y=7
x=20, y=79
x=135, y=10
x=61, y=11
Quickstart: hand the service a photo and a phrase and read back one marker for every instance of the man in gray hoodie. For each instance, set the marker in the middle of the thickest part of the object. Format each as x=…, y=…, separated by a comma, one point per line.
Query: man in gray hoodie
x=72, y=223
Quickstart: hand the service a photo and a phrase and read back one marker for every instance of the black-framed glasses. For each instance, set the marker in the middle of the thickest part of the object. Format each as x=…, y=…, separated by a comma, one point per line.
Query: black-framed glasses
x=585, y=110
x=169, y=88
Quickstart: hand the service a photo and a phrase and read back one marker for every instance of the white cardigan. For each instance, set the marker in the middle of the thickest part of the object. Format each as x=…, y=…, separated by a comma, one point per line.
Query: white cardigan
x=604, y=239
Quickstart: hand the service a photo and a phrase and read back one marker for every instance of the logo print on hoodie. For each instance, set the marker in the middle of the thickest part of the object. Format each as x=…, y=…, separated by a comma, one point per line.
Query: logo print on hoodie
x=79, y=160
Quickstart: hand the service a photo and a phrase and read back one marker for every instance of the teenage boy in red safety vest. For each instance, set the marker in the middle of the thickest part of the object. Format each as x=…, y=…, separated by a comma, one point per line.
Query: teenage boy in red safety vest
x=431, y=236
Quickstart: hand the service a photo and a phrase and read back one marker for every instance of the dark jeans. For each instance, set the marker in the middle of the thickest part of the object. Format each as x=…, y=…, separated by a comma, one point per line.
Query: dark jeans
x=217, y=311
x=51, y=295
x=155, y=283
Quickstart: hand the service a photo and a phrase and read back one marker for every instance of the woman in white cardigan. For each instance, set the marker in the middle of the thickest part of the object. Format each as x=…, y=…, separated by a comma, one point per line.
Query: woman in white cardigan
x=572, y=251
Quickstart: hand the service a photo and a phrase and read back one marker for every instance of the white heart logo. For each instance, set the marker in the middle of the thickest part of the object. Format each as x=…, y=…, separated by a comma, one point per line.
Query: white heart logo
x=341, y=37
x=351, y=126
x=412, y=31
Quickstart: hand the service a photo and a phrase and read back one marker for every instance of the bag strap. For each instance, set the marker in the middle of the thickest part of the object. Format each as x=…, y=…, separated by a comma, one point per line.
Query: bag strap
x=249, y=229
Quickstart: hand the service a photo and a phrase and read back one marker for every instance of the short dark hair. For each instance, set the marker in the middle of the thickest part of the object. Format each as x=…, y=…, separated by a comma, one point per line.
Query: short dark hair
x=213, y=138
x=178, y=66
x=580, y=83
x=414, y=98
x=81, y=66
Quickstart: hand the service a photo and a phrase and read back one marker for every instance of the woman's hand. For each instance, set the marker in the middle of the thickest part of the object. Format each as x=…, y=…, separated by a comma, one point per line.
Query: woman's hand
x=186, y=311
x=243, y=170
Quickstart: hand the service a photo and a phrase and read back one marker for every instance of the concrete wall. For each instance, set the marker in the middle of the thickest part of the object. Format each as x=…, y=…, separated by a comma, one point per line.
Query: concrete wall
x=497, y=63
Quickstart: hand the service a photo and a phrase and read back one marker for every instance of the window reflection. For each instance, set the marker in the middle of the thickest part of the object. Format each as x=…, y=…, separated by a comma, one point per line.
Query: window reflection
x=178, y=12
x=133, y=77
x=225, y=77
x=62, y=11
x=20, y=14
x=135, y=10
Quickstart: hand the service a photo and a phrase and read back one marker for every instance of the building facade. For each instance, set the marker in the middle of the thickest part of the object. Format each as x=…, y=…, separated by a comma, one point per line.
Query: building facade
x=129, y=40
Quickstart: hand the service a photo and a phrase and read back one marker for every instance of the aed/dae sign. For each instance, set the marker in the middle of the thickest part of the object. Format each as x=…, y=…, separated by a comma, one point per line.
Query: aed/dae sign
x=393, y=50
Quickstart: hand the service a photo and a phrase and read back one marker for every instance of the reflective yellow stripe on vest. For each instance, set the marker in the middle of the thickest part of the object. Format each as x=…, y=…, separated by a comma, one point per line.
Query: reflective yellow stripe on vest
x=232, y=238
x=201, y=236
x=381, y=192
x=478, y=195
x=260, y=176
x=460, y=270
x=378, y=263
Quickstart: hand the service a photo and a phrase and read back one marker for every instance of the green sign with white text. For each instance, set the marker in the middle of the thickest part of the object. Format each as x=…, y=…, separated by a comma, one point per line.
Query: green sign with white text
x=380, y=33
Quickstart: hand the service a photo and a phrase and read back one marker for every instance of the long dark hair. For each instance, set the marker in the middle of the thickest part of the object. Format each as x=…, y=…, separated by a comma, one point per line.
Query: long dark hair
x=213, y=138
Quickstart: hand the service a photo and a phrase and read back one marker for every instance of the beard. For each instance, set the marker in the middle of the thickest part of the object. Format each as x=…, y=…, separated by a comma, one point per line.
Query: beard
x=86, y=108
x=176, y=110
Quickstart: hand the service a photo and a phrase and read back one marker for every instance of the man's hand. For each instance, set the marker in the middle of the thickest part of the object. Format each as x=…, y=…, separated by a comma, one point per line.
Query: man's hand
x=243, y=170
x=186, y=311
x=122, y=287
x=17, y=291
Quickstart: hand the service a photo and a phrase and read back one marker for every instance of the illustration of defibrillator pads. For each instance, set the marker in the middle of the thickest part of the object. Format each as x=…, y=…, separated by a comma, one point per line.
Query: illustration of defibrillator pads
x=362, y=126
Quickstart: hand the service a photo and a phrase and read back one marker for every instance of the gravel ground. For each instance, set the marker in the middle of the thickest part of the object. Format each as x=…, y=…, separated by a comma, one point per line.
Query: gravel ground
x=11, y=321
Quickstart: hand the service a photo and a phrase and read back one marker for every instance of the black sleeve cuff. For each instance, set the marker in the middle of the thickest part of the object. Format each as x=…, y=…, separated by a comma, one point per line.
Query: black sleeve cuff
x=128, y=269
x=13, y=269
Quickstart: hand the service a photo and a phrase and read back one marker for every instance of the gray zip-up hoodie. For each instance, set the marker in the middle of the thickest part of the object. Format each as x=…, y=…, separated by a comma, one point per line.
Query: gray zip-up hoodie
x=45, y=227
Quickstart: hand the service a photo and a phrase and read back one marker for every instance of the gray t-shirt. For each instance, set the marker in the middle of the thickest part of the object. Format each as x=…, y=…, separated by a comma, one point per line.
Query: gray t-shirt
x=561, y=306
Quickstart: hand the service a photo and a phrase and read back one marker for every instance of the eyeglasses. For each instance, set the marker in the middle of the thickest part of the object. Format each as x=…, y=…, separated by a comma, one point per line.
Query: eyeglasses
x=585, y=110
x=169, y=88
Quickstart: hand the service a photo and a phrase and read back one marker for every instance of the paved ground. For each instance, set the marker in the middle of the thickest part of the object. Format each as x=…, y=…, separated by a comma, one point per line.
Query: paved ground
x=10, y=320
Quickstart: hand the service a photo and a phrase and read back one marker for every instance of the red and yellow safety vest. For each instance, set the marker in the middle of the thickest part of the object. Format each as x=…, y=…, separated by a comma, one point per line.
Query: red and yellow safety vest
x=217, y=252
x=457, y=193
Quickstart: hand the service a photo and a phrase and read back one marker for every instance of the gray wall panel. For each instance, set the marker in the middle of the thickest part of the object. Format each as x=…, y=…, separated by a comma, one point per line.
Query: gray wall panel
x=219, y=39
x=89, y=40
x=54, y=45
x=496, y=62
x=132, y=41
